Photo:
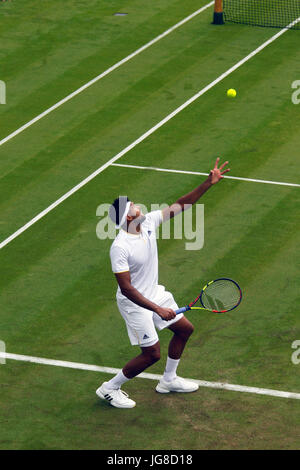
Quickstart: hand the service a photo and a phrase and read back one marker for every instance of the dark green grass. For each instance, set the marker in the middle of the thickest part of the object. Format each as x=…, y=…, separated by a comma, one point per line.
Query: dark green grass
x=51, y=408
x=57, y=291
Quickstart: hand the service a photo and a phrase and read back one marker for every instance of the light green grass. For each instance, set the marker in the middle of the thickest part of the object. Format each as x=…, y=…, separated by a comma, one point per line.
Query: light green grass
x=57, y=291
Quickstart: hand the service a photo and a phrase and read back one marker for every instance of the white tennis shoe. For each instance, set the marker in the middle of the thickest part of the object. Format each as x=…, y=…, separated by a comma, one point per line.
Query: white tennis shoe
x=116, y=398
x=176, y=385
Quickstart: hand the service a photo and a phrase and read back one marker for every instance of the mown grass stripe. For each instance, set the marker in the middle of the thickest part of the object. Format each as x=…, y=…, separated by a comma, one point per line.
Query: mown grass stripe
x=142, y=137
x=102, y=75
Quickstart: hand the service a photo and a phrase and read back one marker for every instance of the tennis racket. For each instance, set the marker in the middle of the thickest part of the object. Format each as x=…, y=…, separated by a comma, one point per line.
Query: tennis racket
x=218, y=296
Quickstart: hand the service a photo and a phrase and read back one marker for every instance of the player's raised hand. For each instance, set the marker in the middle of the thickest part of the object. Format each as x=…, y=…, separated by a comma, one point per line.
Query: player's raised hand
x=216, y=174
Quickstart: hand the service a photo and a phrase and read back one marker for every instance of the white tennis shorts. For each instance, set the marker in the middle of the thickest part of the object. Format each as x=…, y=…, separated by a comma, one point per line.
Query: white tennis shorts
x=142, y=323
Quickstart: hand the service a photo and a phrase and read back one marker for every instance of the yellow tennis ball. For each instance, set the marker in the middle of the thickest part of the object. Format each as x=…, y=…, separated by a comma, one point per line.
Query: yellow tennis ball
x=231, y=93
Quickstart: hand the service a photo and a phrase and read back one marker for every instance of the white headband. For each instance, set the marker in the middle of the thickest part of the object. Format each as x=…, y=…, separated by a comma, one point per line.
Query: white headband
x=124, y=215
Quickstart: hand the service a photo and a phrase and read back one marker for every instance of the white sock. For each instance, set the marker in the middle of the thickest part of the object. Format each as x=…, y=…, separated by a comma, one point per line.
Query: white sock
x=170, y=370
x=117, y=381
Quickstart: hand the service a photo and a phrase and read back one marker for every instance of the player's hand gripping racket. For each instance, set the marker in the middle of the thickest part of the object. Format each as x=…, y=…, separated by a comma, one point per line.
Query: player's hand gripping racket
x=218, y=296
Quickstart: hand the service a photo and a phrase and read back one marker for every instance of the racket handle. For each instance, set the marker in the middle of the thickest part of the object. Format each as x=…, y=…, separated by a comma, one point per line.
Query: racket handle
x=182, y=309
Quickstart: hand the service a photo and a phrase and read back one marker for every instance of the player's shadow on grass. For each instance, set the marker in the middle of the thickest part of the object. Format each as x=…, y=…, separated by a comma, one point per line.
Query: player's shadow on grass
x=104, y=406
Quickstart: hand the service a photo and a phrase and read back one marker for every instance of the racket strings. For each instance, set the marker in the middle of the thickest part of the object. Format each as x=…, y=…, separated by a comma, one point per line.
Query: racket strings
x=221, y=295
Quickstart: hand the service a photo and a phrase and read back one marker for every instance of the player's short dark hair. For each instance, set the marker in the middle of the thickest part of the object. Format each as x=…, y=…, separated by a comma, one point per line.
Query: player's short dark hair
x=117, y=209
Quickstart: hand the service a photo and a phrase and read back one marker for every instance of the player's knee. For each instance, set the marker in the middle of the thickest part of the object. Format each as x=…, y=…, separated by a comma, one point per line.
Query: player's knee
x=191, y=329
x=187, y=330
x=155, y=356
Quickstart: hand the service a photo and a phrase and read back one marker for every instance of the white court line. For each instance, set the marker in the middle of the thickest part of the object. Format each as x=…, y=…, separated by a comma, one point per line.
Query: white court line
x=144, y=375
x=167, y=170
x=144, y=136
x=103, y=74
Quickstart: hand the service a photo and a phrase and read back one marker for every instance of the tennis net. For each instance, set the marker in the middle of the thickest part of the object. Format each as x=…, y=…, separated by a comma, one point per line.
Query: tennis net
x=270, y=13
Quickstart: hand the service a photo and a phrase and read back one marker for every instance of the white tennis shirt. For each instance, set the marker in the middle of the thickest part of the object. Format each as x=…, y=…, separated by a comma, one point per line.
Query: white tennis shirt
x=138, y=255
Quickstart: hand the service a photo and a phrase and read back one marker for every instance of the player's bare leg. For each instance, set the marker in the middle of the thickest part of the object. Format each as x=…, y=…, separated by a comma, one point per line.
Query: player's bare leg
x=149, y=356
x=111, y=390
x=182, y=330
x=170, y=382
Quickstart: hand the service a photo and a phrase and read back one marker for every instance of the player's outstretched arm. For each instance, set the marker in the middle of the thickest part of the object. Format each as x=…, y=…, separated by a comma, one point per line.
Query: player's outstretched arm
x=186, y=201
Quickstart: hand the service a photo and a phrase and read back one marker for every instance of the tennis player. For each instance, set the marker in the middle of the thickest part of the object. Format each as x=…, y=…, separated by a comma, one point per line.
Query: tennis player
x=143, y=303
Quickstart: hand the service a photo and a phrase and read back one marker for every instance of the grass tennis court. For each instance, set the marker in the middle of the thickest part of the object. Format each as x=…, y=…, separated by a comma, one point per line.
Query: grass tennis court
x=57, y=292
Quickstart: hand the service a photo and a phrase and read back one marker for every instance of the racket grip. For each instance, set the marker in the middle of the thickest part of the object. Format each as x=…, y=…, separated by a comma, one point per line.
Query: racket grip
x=182, y=309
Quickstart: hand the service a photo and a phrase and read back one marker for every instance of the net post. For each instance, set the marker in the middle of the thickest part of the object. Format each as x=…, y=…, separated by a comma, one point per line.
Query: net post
x=218, y=12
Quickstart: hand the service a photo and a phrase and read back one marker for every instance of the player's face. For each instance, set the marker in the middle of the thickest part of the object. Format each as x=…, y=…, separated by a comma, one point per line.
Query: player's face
x=135, y=215
x=134, y=211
